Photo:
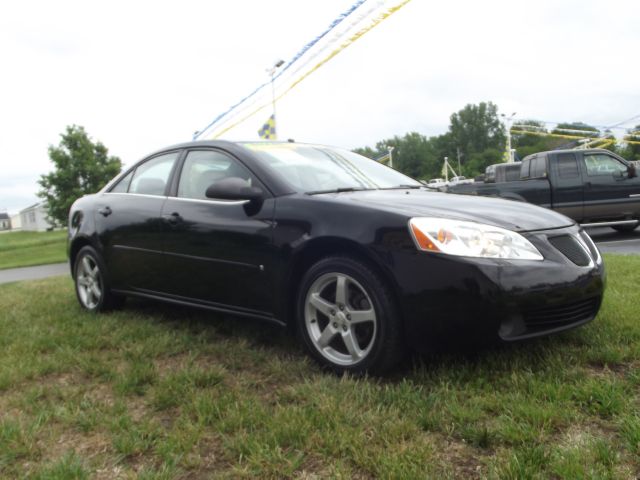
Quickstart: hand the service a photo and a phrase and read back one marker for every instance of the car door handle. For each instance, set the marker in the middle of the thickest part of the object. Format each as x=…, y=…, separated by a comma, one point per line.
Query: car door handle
x=105, y=211
x=173, y=218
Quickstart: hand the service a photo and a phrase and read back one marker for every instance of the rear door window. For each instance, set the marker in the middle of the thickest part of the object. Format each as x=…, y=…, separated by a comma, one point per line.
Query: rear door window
x=151, y=177
x=539, y=167
x=568, y=166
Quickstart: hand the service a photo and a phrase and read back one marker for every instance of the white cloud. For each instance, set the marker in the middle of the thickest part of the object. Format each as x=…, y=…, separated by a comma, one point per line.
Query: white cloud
x=141, y=75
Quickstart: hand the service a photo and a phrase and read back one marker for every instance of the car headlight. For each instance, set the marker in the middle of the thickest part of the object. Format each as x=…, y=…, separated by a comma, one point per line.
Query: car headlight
x=470, y=239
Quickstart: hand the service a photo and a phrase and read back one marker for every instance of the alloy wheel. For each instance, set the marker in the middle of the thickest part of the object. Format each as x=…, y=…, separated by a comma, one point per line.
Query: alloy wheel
x=340, y=319
x=89, y=282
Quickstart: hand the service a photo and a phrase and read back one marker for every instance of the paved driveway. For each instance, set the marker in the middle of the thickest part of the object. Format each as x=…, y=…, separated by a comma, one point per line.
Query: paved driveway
x=34, y=273
x=610, y=241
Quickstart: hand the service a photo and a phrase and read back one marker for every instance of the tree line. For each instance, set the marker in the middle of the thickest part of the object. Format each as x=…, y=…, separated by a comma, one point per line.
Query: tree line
x=476, y=138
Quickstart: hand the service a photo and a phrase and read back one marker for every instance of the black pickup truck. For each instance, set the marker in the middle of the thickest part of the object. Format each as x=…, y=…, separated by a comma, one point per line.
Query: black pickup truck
x=594, y=187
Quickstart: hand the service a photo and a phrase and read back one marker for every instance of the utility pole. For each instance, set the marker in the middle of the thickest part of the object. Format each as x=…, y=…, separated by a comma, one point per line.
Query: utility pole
x=390, y=150
x=446, y=169
x=507, y=121
x=272, y=71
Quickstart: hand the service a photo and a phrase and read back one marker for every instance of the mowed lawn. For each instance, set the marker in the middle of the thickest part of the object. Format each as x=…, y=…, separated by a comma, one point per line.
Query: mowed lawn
x=23, y=249
x=155, y=391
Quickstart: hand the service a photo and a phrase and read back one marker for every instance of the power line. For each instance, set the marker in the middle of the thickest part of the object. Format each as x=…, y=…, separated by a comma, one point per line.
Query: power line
x=625, y=121
x=353, y=38
x=337, y=38
x=617, y=126
x=295, y=58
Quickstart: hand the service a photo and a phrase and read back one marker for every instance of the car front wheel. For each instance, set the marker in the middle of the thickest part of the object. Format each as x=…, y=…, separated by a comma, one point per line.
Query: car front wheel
x=92, y=288
x=347, y=318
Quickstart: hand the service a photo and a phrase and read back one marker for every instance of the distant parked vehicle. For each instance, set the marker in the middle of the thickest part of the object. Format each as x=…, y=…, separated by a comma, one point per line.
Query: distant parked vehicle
x=502, y=172
x=459, y=180
x=437, y=183
x=593, y=186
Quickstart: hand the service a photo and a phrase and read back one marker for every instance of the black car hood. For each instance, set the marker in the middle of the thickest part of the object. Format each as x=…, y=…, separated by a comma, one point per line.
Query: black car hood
x=509, y=214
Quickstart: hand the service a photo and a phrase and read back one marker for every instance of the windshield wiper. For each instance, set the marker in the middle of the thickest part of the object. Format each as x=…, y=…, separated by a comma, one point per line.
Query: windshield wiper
x=339, y=190
x=401, y=187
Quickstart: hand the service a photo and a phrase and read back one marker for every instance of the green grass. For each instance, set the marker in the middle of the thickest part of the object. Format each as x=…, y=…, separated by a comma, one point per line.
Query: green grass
x=155, y=391
x=24, y=249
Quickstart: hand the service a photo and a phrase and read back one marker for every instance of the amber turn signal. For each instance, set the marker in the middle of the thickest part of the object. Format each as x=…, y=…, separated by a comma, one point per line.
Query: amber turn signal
x=423, y=240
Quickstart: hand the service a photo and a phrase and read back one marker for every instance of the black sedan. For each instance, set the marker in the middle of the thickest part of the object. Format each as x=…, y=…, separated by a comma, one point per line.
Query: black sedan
x=362, y=261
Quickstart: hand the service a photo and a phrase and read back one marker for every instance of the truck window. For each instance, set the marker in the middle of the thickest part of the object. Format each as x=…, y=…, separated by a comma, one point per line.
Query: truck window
x=539, y=167
x=567, y=166
x=525, y=169
x=602, y=164
x=512, y=172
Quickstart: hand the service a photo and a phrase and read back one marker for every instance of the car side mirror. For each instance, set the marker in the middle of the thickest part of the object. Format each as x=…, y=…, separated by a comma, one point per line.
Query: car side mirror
x=631, y=171
x=234, y=188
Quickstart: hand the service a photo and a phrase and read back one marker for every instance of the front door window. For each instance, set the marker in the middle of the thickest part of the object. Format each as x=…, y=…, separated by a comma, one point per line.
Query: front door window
x=602, y=164
x=203, y=169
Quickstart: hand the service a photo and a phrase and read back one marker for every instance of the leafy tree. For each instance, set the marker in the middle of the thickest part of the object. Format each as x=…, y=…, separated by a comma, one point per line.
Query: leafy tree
x=368, y=152
x=81, y=167
x=611, y=145
x=475, y=129
x=475, y=133
x=409, y=154
x=535, y=141
x=580, y=130
x=588, y=130
x=443, y=146
x=382, y=148
x=479, y=161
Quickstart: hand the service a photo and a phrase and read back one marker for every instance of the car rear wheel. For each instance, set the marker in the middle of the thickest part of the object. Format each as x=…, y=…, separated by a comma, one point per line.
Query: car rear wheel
x=92, y=287
x=347, y=318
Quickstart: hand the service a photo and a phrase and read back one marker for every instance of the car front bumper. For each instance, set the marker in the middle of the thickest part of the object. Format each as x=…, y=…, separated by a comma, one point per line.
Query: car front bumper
x=461, y=300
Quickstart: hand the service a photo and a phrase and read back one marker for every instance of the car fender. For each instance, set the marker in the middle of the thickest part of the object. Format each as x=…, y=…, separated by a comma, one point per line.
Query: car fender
x=312, y=250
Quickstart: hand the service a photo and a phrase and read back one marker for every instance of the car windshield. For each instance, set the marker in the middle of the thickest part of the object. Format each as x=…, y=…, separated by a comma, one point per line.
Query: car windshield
x=318, y=169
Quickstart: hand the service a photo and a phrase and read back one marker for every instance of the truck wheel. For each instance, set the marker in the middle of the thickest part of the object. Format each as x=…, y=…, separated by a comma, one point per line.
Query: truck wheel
x=625, y=228
x=347, y=319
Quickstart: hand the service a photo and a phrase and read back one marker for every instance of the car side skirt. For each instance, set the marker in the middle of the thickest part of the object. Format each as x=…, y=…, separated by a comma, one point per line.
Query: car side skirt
x=202, y=305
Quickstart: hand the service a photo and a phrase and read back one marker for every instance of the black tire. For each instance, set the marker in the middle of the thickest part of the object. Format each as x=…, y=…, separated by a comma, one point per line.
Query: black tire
x=368, y=320
x=625, y=228
x=91, y=279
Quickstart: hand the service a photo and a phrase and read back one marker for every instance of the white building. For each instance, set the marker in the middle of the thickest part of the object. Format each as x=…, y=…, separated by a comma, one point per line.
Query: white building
x=16, y=222
x=34, y=218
